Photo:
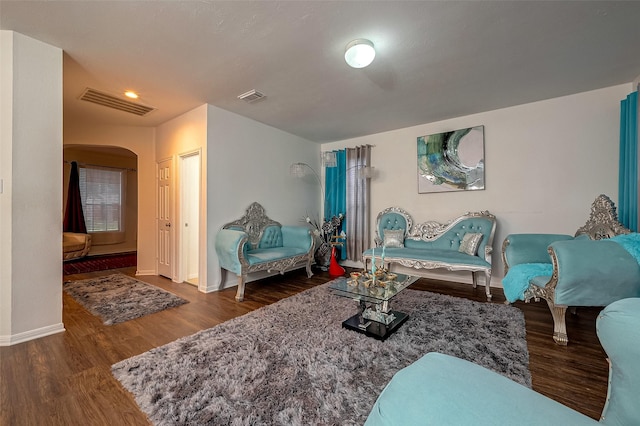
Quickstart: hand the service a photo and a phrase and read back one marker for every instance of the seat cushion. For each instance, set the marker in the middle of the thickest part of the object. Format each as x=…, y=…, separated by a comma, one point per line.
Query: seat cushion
x=270, y=254
x=435, y=255
x=69, y=246
x=521, y=275
x=441, y=390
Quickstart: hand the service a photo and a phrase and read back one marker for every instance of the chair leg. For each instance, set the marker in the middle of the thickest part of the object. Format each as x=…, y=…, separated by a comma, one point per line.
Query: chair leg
x=487, y=285
x=559, y=324
x=474, y=279
x=240, y=292
x=309, y=272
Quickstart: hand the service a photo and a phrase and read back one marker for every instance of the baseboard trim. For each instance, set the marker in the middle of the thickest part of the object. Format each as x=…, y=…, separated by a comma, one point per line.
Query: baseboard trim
x=204, y=288
x=146, y=272
x=31, y=334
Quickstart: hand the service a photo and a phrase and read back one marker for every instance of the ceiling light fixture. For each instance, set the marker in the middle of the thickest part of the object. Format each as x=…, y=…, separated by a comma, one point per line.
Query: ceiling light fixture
x=131, y=94
x=359, y=53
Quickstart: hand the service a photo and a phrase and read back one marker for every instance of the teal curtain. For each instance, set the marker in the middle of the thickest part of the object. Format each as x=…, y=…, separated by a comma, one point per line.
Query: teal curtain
x=628, y=170
x=335, y=184
x=335, y=198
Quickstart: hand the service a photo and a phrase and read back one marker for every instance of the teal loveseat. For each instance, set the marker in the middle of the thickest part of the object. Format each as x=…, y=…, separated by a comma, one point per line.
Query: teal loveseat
x=256, y=243
x=442, y=390
x=463, y=244
x=597, y=266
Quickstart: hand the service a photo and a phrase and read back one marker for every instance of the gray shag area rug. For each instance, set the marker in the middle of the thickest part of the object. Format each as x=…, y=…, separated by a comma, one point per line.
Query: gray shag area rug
x=292, y=363
x=117, y=298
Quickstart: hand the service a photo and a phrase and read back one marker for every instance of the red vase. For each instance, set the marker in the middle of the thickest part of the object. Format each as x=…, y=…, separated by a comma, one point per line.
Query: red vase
x=335, y=270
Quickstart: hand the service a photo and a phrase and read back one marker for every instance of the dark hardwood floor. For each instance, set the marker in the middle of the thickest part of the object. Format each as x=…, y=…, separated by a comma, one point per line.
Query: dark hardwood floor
x=65, y=379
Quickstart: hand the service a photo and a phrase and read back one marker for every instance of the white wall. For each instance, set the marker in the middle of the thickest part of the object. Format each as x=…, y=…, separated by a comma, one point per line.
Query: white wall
x=249, y=161
x=141, y=141
x=31, y=197
x=183, y=135
x=545, y=164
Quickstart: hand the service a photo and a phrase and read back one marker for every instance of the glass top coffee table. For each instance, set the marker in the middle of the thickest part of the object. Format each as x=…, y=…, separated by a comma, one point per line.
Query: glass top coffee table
x=375, y=318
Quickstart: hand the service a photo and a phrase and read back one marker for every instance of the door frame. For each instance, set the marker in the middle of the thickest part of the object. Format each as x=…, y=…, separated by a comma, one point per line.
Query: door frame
x=181, y=270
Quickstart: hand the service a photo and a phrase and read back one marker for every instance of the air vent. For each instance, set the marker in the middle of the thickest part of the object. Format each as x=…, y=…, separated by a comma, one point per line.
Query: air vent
x=251, y=96
x=105, y=99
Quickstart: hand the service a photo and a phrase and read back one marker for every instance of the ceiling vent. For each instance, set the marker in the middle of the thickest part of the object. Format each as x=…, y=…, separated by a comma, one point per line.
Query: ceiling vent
x=251, y=96
x=105, y=99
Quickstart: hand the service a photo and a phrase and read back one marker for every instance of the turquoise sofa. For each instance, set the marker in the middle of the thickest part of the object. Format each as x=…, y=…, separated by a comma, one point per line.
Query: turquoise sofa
x=463, y=244
x=256, y=243
x=594, y=268
x=442, y=390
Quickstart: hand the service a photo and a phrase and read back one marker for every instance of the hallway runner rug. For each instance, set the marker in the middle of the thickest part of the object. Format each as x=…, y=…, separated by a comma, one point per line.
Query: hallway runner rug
x=100, y=263
x=292, y=363
x=117, y=298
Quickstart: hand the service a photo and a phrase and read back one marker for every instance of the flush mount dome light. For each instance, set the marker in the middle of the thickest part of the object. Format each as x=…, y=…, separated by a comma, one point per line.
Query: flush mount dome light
x=359, y=53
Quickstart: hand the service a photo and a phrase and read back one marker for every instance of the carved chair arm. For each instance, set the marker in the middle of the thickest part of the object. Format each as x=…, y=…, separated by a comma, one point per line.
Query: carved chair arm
x=230, y=245
x=592, y=273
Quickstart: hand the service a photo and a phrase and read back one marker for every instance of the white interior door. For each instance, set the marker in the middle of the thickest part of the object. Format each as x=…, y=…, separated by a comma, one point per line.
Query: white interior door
x=165, y=232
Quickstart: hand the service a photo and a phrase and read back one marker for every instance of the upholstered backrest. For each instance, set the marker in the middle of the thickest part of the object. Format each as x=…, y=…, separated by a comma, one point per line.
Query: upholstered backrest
x=392, y=218
x=449, y=236
x=618, y=328
x=271, y=237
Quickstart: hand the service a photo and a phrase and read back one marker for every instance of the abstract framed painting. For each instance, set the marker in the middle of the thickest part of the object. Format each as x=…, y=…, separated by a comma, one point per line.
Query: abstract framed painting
x=451, y=161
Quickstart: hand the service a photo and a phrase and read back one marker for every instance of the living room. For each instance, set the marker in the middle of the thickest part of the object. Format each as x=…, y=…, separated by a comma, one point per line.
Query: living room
x=546, y=160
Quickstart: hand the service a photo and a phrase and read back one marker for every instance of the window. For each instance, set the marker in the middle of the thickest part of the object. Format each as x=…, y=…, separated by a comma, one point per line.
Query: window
x=102, y=192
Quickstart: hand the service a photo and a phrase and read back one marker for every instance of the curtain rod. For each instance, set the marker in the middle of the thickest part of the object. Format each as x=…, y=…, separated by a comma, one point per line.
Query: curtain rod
x=100, y=165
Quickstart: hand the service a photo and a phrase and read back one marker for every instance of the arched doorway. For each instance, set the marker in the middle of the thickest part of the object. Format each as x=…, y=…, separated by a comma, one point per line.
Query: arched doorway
x=112, y=224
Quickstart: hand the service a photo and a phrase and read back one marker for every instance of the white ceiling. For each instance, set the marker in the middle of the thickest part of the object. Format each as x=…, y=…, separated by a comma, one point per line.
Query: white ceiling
x=435, y=59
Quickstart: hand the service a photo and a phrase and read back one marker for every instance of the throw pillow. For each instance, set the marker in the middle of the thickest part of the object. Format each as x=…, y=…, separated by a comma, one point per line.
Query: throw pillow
x=393, y=238
x=470, y=243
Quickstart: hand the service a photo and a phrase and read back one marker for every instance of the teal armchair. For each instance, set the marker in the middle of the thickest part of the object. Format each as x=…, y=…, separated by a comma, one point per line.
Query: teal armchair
x=597, y=266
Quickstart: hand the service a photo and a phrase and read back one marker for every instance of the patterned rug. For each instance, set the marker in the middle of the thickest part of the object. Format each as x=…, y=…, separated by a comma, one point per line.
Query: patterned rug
x=292, y=363
x=117, y=298
x=100, y=263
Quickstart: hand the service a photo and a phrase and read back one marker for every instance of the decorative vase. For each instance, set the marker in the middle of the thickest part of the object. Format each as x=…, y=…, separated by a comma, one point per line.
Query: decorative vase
x=335, y=270
x=322, y=255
